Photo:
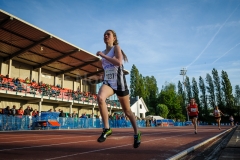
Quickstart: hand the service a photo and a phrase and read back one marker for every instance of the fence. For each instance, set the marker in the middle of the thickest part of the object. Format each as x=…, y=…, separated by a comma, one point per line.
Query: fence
x=11, y=123
x=8, y=123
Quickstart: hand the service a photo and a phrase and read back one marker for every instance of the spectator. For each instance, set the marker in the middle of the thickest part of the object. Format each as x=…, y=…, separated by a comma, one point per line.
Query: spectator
x=14, y=110
x=61, y=113
x=7, y=111
x=27, y=111
x=20, y=111
x=50, y=110
x=74, y=114
x=27, y=80
x=35, y=113
x=231, y=120
x=84, y=115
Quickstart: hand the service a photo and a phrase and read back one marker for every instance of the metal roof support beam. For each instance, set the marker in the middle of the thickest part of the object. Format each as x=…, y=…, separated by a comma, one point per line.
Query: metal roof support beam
x=5, y=21
x=26, y=49
x=63, y=53
x=16, y=34
x=80, y=66
x=56, y=59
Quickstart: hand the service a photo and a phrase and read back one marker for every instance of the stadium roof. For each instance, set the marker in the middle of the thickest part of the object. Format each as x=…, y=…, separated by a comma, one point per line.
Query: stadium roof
x=31, y=45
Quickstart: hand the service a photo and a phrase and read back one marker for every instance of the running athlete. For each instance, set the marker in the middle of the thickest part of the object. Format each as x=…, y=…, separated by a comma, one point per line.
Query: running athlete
x=114, y=82
x=231, y=120
x=217, y=114
x=192, y=109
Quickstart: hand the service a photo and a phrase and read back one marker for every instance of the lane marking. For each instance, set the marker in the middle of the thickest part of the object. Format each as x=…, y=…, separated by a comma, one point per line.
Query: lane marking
x=9, y=149
x=97, y=150
x=186, y=151
x=43, y=139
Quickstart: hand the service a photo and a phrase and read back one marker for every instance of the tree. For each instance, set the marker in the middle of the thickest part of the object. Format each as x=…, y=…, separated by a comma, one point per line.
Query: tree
x=188, y=88
x=210, y=89
x=169, y=97
x=134, y=81
x=217, y=84
x=162, y=110
x=182, y=96
x=151, y=90
x=237, y=99
x=227, y=92
x=141, y=91
x=203, y=100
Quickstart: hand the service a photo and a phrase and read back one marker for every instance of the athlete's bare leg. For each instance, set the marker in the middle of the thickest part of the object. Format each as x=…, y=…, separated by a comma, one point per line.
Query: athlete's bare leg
x=104, y=92
x=127, y=110
x=194, y=121
x=218, y=121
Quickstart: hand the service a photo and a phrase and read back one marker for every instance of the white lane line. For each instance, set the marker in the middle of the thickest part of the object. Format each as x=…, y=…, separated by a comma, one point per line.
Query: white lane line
x=66, y=143
x=114, y=147
x=45, y=145
x=24, y=136
x=42, y=139
x=78, y=135
x=185, y=152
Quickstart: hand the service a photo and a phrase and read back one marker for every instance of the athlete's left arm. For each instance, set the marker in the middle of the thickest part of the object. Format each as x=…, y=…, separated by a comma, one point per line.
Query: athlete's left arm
x=221, y=113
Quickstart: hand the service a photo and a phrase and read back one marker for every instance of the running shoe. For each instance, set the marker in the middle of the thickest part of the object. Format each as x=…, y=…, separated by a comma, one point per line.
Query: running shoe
x=137, y=140
x=104, y=135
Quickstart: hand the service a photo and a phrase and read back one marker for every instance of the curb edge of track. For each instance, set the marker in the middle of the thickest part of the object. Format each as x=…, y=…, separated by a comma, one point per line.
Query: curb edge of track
x=189, y=150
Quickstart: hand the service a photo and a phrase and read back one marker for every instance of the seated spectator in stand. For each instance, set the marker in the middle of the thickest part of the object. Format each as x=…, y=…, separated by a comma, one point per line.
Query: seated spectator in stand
x=14, y=111
x=78, y=89
x=7, y=76
x=33, y=81
x=53, y=92
x=7, y=111
x=17, y=79
x=13, y=80
x=28, y=111
x=50, y=110
x=40, y=83
x=19, y=86
x=27, y=80
x=1, y=111
x=35, y=113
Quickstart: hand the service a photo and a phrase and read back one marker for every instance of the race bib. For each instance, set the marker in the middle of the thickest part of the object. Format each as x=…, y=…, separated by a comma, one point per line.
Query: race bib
x=110, y=74
x=193, y=109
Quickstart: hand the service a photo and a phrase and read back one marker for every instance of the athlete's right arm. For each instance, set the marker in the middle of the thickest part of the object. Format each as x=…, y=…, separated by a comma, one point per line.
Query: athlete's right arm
x=117, y=59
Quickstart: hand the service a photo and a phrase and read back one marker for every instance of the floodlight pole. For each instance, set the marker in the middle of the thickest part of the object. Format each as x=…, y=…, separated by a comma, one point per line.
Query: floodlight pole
x=183, y=73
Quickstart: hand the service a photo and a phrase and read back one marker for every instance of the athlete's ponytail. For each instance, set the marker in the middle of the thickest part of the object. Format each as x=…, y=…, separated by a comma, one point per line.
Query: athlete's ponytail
x=124, y=56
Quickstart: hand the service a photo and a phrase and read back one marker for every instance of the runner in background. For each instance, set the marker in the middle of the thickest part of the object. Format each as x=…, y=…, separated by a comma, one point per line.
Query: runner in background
x=231, y=120
x=192, y=109
x=217, y=114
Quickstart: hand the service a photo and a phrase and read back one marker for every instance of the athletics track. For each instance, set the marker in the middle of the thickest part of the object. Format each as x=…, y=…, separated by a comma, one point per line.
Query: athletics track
x=158, y=143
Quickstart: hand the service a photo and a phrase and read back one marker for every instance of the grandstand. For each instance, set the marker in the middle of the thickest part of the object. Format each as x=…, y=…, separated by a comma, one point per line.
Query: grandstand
x=46, y=72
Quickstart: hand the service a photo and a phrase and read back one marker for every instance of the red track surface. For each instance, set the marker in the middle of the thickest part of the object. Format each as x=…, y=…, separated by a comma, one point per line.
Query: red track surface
x=157, y=143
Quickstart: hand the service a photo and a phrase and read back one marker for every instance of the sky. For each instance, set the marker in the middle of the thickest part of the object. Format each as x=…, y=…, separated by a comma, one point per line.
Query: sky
x=159, y=37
